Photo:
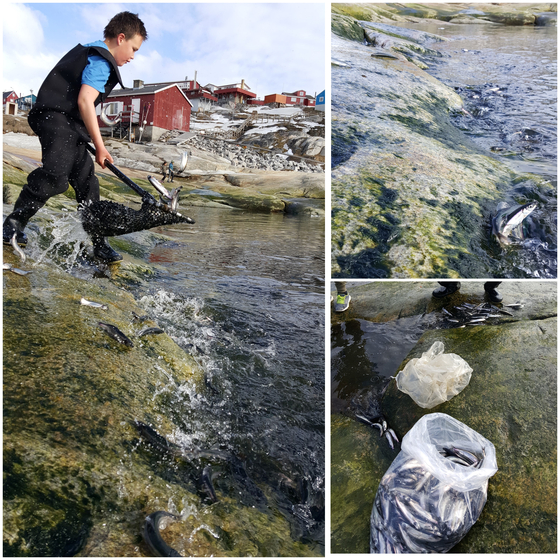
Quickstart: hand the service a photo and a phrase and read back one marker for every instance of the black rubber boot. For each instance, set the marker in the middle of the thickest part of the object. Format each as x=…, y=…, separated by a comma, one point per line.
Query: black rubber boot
x=26, y=206
x=104, y=252
x=446, y=290
x=493, y=295
x=11, y=226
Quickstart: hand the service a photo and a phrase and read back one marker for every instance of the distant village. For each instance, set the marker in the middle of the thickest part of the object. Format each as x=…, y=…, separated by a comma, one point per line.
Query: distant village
x=160, y=107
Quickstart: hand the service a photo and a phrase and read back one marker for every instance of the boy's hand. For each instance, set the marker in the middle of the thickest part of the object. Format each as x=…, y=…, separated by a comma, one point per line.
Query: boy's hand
x=101, y=154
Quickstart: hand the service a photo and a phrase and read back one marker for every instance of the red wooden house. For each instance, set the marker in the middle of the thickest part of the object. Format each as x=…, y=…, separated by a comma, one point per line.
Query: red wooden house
x=157, y=108
x=299, y=98
x=9, y=104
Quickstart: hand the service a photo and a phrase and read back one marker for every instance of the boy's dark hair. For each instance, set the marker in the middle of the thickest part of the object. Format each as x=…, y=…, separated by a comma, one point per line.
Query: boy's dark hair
x=125, y=22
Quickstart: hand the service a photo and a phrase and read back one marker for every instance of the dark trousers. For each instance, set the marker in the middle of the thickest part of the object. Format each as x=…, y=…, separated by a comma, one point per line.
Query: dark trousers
x=65, y=160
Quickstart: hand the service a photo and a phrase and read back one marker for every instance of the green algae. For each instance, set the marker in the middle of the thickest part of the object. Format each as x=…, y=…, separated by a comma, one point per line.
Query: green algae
x=511, y=400
x=78, y=480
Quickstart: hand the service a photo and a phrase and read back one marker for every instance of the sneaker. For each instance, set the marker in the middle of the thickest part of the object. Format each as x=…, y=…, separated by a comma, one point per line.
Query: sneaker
x=342, y=302
x=8, y=232
x=104, y=252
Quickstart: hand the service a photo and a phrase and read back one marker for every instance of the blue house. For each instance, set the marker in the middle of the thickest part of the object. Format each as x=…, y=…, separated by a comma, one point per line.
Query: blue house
x=320, y=101
x=27, y=102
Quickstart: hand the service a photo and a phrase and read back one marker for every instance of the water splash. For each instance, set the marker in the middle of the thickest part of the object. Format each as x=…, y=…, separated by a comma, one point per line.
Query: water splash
x=65, y=242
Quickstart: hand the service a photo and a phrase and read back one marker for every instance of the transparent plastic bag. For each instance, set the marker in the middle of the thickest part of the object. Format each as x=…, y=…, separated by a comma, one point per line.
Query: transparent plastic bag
x=435, y=377
x=427, y=500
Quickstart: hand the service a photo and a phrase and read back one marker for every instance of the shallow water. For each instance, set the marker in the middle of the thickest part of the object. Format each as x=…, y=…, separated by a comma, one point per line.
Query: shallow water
x=364, y=356
x=507, y=77
x=244, y=294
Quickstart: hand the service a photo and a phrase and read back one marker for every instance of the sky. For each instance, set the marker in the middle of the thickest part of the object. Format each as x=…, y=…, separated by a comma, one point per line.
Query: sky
x=274, y=47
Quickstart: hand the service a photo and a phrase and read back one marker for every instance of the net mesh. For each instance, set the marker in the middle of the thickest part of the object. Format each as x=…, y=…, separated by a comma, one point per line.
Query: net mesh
x=108, y=219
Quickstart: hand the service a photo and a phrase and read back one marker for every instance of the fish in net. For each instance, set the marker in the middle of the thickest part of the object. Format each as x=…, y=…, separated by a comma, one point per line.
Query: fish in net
x=108, y=219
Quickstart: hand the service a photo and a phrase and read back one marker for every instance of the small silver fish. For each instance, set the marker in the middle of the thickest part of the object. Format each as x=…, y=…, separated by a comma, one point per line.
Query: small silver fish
x=389, y=440
x=84, y=301
x=138, y=318
x=393, y=435
x=18, y=250
x=149, y=330
x=12, y=268
x=508, y=219
x=152, y=536
x=175, y=198
x=206, y=481
x=159, y=187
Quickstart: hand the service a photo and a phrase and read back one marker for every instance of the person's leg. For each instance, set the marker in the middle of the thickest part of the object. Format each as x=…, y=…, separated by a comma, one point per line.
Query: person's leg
x=446, y=289
x=492, y=293
x=342, y=297
x=86, y=184
x=58, y=142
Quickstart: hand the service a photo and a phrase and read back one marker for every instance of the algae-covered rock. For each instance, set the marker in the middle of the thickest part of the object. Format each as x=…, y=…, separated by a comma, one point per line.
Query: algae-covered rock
x=412, y=194
x=78, y=477
x=347, y=27
x=510, y=400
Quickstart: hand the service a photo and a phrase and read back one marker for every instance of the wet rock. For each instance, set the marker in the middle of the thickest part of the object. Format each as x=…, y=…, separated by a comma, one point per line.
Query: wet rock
x=388, y=301
x=511, y=400
x=411, y=193
x=77, y=478
x=254, y=190
x=546, y=18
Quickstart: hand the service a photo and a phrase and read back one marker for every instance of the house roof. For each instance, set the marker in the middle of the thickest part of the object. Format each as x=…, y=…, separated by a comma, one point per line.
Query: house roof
x=7, y=94
x=145, y=90
x=236, y=90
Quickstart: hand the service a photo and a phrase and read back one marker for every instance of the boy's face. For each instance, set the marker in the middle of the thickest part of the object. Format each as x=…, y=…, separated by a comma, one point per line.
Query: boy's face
x=126, y=48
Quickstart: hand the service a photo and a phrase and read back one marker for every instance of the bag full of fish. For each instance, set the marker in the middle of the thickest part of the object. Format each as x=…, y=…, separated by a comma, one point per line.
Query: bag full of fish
x=435, y=377
x=434, y=490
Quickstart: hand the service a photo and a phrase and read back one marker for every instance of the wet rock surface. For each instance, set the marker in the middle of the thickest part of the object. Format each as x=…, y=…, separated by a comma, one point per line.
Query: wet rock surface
x=79, y=478
x=411, y=193
x=253, y=190
x=510, y=400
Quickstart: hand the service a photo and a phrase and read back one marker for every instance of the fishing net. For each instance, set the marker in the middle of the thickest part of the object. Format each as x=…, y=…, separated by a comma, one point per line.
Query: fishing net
x=435, y=489
x=108, y=219
x=435, y=377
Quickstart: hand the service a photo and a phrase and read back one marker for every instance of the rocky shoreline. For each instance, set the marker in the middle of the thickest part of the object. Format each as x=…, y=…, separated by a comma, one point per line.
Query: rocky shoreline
x=412, y=194
x=208, y=180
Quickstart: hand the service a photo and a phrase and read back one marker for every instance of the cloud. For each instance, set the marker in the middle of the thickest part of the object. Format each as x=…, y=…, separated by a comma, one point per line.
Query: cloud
x=25, y=61
x=274, y=47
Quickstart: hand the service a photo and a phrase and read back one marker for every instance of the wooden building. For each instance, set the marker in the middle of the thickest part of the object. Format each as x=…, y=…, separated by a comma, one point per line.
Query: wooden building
x=157, y=108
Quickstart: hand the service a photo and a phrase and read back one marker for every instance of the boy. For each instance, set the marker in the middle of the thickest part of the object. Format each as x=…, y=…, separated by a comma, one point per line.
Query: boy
x=64, y=119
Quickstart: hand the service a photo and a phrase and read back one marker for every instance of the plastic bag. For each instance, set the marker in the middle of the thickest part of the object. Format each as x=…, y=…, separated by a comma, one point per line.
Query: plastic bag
x=435, y=377
x=427, y=500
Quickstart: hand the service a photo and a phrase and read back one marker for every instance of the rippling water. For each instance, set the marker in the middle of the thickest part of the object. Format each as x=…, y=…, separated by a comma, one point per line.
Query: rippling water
x=364, y=356
x=507, y=77
x=243, y=293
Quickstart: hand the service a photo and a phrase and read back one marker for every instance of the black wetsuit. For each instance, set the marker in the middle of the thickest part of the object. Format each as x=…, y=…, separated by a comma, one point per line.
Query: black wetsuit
x=56, y=120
